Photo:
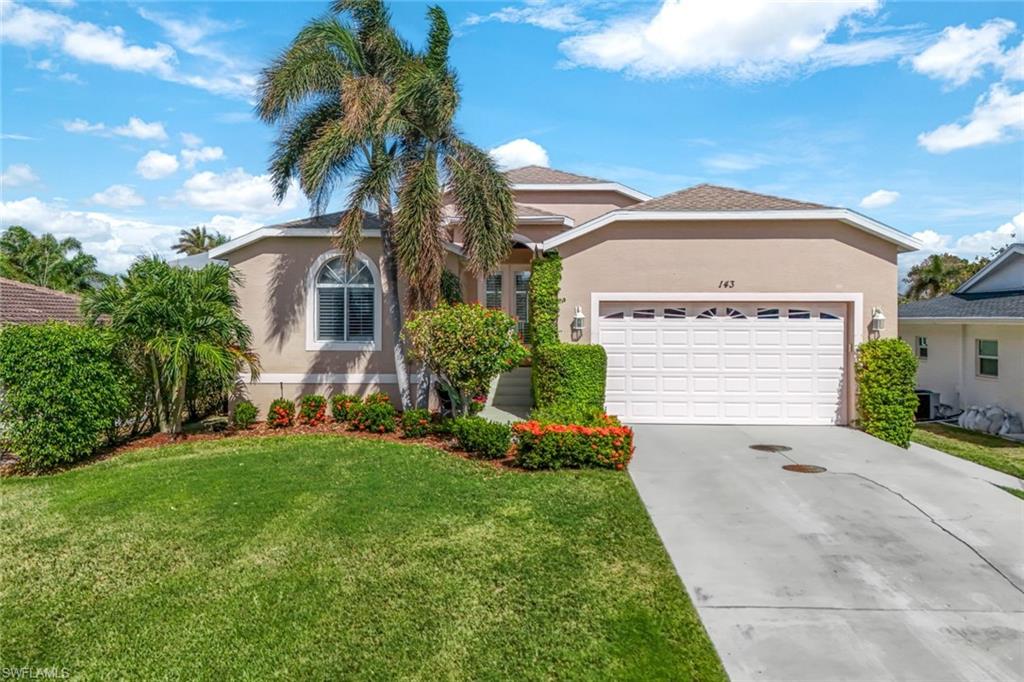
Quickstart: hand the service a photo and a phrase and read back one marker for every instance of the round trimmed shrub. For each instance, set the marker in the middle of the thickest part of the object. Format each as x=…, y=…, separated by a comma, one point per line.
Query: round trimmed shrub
x=245, y=414
x=281, y=414
x=482, y=437
x=312, y=410
x=416, y=423
x=886, y=375
x=375, y=417
x=341, y=404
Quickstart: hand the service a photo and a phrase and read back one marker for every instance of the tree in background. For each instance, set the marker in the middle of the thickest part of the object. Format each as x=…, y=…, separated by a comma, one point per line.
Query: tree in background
x=940, y=274
x=47, y=262
x=357, y=105
x=198, y=240
x=184, y=322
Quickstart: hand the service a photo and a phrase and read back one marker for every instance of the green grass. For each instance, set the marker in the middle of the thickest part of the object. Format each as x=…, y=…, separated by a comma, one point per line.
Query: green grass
x=328, y=557
x=995, y=453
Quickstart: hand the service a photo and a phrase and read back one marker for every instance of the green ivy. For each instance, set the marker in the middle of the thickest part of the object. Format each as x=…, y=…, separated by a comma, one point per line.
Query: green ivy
x=545, y=280
x=886, y=402
x=451, y=287
x=566, y=373
x=63, y=391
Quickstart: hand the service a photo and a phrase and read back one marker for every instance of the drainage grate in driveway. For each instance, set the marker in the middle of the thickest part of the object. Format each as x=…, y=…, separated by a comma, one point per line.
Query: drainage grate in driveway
x=804, y=468
x=763, y=447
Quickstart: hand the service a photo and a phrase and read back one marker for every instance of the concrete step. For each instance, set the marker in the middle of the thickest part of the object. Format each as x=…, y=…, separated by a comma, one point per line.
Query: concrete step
x=514, y=390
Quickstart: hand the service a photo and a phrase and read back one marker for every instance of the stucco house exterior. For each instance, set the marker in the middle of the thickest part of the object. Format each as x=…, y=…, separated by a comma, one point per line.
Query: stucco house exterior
x=715, y=305
x=970, y=344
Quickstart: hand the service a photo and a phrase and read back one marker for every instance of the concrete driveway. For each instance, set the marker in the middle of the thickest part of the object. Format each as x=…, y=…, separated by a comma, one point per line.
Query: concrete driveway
x=893, y=564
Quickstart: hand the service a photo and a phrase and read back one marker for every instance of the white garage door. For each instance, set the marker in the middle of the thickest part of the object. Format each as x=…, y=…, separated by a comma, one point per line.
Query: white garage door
x=715, y=363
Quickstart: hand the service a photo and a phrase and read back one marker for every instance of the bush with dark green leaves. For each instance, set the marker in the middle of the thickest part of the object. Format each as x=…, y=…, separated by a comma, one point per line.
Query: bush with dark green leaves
x=886, y=375
x=377, y=397
x=245, y=414
x=63, y=392
x=416, y=423
x=567, y=373
x=375, y=417
x=451, y=287
x=545, y=280
x=571, y=413
x=312, y=410
x=341, y=404
x=482, y=437
x=281, y=413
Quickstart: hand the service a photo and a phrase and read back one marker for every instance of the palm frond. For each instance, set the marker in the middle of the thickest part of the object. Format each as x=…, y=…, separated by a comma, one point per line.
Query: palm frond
x=417, y=233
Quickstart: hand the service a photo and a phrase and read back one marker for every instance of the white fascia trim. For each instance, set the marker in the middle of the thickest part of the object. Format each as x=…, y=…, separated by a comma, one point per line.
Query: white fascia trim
x=904, y=241
x=856, y=298
x=961, y=320
x=267, y=232
x=546, y=220
x=583, y=187
x=329, y=378
x=984, y=272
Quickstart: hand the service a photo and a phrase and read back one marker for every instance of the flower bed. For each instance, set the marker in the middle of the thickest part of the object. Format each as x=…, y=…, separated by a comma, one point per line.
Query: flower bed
x=553, y=446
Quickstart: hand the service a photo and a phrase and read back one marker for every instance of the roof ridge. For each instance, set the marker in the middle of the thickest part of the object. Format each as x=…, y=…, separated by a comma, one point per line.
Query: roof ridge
x=40, y=288
x=697, y=190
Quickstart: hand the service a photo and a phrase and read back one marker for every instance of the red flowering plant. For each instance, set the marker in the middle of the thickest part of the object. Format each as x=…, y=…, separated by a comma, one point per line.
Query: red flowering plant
x=312, y=410
x=281, y=413
x=416, y=423
x=341, y=403
x=552, y=446
x=375, y=417
x=377, y=397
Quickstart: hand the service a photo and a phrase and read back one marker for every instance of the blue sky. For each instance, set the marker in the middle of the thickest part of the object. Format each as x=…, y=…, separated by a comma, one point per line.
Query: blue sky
x=125, y=122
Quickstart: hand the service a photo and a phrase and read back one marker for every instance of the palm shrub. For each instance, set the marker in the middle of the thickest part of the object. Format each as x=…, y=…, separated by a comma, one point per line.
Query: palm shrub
x=63, y=392
x=357, y=106
x=312, y=410
x=465, y=346
x=245, y=414
x=886, y=402
x=341, y=404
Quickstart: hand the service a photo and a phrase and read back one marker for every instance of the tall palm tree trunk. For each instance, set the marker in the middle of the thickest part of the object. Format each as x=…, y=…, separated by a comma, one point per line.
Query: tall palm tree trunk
x=161, y=412
x=393, y=300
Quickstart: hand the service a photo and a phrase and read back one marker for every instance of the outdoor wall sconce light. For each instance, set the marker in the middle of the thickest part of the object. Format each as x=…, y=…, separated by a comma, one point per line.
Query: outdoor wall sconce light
x=578, y=320
x=877, y=320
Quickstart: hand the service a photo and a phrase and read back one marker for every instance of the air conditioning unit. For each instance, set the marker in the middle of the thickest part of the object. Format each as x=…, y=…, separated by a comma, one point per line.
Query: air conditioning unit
x=927, y=405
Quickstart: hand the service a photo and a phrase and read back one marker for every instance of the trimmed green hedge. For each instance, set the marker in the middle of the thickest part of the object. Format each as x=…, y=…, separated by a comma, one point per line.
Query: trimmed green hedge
x=545, y=280
x=567, y=373
x=63, y=392
x=886, y=402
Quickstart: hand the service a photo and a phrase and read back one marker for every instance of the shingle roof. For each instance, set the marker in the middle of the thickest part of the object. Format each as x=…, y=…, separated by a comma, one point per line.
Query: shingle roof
x=328, y=220
x=996, y=304
x=527, y=211
x=27, y=303
x=539, y=175
x=716, y=198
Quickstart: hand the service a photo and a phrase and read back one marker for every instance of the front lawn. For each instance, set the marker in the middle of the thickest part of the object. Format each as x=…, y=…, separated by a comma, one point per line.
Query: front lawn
x=995, y=453
x=331, y=557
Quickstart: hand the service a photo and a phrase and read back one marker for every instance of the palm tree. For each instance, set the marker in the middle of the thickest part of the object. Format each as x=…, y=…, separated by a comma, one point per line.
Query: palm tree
x=356, y=104
x=936, y=275
x=46, y=261
x=198, y=240
x=179, y=319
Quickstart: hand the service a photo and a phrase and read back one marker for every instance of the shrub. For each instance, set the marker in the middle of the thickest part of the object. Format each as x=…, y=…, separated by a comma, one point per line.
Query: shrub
x=552, y=446
x=565, y=373
x=545, y=280
x=886, y=402
x=281, y=413
x=442, y=426
x=63, y=392
x=451, y=287
x=416, y=423
x=376, y=417
x=465, y=346
x=341, y=404
x=482, y=437
x=377, y=398
x=312, y=410
x=582, y=415
x=245, y=414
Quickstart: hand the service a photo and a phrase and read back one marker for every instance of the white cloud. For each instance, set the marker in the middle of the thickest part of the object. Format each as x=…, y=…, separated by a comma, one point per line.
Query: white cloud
x=879, y=198
x=739, y=40
x=118, y=196
x=191, y=140
x=730, y=162
x=233, y=226
x=551, y=16
x=968, y=246
x=141, y=130
x=518, y=153
x=235, y=190
x=16, y=136
x=192, y=156
x=80, y=125
x=155, y=165
x=18, y=174
x=962, y=53
x=998, y=116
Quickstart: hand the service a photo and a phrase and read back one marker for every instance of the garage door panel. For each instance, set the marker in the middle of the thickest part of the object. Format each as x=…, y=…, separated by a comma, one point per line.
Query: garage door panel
x=704, y=338
x=612, y=336
x=642, y=360
x=675, y=337
x=675, y=384
x=642, y=338
x=675, y=409
x=705, y=385
x=615, y=384
x=705, y=360
x=643, y=384
x=616, y=360
x=736, y=360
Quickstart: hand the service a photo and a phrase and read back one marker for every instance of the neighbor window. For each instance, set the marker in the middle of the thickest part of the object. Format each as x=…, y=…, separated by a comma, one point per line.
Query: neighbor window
x=921, y=343
x=988, y=358
x=492, y=291
x=345, y=302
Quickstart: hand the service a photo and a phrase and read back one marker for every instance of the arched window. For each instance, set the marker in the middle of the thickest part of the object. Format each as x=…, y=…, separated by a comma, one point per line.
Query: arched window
x=345, y=304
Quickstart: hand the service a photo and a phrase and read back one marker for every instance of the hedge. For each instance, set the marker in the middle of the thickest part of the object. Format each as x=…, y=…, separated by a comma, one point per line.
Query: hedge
x=545, y=280
x=482, y=437
x=566, y=373
x=886, y=375
x=553, y=446
x=63, y=392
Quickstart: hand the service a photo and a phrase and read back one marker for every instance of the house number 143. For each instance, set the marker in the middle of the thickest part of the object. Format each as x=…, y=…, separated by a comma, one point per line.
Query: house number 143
x=726, y=284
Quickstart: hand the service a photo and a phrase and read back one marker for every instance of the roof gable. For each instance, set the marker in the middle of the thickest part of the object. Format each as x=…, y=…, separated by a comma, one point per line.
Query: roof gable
x=707, y=197
x=1004, y=273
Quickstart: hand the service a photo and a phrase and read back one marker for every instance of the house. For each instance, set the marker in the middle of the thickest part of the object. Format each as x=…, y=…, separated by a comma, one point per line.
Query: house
x=22, y=303
x=715, y=305
x=970, y=344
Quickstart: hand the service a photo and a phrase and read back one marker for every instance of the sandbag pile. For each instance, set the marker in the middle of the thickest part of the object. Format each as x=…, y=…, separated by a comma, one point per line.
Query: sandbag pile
x=990, y=419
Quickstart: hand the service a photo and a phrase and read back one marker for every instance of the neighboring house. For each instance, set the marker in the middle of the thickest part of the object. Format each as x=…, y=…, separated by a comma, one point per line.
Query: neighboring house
x=715, y=305
x=22, y=303
x=970, y=344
